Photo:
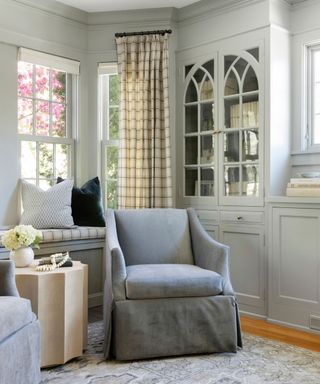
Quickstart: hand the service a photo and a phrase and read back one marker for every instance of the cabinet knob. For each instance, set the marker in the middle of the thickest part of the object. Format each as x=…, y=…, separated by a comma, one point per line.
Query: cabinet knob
x=239, y=218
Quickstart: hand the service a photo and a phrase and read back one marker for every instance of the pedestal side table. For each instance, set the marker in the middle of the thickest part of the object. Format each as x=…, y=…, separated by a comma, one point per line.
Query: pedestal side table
x=60, y=300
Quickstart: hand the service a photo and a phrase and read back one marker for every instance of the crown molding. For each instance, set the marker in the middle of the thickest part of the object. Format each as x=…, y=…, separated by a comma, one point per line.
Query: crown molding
x=294, y=4
x=18, y=39
x=96, y=20
x=208, y=8
x=155, y=15
x=54, y=8
x=302, y=4
x=284, y=3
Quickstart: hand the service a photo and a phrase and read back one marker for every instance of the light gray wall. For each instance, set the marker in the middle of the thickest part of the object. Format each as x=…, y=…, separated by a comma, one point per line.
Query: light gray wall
x=208, y=21
x=41, y=28
x=9, y=171
x=57, y=29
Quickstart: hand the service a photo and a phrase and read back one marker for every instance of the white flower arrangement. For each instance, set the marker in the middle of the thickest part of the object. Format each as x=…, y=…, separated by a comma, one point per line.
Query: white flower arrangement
x=21, y=236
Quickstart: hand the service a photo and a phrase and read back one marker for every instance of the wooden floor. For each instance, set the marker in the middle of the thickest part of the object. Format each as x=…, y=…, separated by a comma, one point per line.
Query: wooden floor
x=278, y=332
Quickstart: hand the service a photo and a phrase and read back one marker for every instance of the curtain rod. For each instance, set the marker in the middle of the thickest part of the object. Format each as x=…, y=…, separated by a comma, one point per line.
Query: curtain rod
x=160, y=32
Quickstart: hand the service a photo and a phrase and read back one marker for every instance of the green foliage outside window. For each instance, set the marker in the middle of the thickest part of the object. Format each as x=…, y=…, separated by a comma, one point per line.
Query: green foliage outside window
x=113, y=135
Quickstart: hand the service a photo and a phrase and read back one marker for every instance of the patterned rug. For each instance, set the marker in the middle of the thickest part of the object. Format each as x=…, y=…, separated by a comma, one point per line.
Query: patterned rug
x=260, y=361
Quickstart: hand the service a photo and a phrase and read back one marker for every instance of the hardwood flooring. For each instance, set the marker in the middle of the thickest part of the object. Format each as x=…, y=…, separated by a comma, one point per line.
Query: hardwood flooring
x=287, y=335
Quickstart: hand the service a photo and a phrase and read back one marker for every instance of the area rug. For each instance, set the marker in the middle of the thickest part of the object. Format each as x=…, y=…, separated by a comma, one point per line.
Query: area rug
x=260, y=361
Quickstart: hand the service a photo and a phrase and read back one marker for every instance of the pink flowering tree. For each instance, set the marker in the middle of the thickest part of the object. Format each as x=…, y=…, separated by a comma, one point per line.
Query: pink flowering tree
x=42, y=112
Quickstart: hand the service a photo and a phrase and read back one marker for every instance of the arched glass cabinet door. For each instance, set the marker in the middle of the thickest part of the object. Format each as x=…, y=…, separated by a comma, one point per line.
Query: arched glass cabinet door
x=199, y=125
x=241, y=126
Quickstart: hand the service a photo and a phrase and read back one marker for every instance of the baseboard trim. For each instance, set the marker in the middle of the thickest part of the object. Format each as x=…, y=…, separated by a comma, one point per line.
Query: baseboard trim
x=95, y=299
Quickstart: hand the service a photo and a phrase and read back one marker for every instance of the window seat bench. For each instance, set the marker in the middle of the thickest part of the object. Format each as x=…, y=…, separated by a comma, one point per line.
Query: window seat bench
x=86, y=244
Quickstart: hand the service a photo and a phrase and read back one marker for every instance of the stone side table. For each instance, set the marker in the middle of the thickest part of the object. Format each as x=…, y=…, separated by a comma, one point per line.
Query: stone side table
x=60, y=300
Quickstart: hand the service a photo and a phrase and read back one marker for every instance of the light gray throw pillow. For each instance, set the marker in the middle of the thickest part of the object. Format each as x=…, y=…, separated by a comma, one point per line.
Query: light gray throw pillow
x=47, y=209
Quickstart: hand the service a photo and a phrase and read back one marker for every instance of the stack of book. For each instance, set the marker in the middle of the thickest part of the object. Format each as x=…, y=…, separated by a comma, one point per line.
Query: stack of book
x=304, y=187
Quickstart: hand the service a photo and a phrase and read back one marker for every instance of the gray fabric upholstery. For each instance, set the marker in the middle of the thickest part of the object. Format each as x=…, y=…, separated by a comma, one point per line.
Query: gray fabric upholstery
x=20, y=356
x=18, y=314
x=208, y=253
x=145, y=240
x=19, y=333
x=156, y=281
x=169, y=327
x=7, y=279
x=154, y=309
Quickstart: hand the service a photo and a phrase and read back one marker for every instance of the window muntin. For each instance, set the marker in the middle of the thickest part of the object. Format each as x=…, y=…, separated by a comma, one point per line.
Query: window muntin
x=313, y=90
x=44, y=123
x=241, y=128
x=109, y=86
x=199, y=126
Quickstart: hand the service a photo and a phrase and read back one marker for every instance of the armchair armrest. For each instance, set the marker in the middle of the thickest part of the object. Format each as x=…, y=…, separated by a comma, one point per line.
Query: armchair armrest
x=115, y=259
x=7, y=279
x=208, y=253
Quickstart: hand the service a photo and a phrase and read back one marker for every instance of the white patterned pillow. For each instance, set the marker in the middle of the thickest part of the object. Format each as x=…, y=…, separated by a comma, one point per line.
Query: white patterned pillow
x=47, y=209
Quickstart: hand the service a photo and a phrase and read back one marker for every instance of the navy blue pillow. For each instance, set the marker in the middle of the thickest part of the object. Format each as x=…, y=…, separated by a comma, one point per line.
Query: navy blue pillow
x=86, y=204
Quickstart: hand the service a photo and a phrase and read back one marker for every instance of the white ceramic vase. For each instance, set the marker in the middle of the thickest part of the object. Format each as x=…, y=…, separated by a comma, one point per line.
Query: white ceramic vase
x=22, y=257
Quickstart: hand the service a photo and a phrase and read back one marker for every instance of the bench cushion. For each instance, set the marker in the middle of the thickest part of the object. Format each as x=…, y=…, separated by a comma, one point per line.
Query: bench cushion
x=15, y=313
x=153, y=281
x=78, y=233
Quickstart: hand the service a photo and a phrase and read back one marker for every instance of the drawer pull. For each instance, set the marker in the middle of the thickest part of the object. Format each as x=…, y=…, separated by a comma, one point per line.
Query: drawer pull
x=239, y=218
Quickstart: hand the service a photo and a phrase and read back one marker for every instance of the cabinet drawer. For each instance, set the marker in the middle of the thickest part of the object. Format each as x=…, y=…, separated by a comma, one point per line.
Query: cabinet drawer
x=242, y=217
x=208, y=216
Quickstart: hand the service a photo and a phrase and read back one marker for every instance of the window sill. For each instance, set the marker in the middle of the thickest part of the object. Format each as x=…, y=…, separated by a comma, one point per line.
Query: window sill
x=307, y=152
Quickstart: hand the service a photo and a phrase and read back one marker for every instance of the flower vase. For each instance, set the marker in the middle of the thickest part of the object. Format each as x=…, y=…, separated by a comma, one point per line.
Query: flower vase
x=22, y=257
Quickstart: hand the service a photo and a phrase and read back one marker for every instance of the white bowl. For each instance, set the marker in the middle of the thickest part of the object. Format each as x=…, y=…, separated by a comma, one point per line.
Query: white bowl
x=310, y=175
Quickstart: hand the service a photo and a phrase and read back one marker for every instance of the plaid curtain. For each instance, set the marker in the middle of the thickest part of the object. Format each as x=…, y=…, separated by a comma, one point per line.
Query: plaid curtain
x=144, y=153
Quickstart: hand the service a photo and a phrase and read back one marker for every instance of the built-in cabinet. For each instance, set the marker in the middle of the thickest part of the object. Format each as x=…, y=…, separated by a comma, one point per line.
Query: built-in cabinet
x=247, y=258
x=294, y=264
x=220, y=164
x=221, y=129
x=226, y=159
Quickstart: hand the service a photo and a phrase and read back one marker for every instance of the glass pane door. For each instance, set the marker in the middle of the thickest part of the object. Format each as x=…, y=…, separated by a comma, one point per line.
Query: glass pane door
x=199, y=126
x=241, y=128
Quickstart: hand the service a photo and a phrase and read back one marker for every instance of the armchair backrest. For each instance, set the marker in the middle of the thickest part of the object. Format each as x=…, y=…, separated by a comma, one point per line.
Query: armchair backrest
x=154, y=236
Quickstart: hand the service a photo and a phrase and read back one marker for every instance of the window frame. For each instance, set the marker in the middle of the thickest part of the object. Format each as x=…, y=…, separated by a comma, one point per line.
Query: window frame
x=69, y=139
x=104, y=71
x=308, y=106
x=72, y=70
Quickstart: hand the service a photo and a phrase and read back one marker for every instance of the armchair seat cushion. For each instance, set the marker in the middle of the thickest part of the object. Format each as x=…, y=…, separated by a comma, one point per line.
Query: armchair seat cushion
x=18, y=314
x=155, y=281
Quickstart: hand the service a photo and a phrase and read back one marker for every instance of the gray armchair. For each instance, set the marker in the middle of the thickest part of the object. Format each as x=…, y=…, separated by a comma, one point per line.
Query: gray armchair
x=19, y=333
x=168, y=290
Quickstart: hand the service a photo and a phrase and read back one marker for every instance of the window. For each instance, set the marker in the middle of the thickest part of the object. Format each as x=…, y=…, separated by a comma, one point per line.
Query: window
x=46, y=116
x=313, y=100
x=109, y=123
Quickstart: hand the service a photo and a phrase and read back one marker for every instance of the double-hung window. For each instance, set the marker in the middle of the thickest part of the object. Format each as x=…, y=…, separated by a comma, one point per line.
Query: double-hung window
x=47, y=88
x=313, y=96
x=109, y=126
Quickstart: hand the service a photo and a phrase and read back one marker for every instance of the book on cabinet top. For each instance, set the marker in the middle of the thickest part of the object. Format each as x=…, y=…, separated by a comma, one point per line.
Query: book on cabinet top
x=303, y=185
x=305, y=180
x=308, y=192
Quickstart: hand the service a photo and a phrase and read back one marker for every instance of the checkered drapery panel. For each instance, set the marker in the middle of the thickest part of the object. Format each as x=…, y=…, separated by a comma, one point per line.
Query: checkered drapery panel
x=144, y=155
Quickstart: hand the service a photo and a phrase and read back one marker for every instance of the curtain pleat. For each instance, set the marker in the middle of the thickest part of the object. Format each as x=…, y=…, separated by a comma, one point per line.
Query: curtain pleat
x=144, y=154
